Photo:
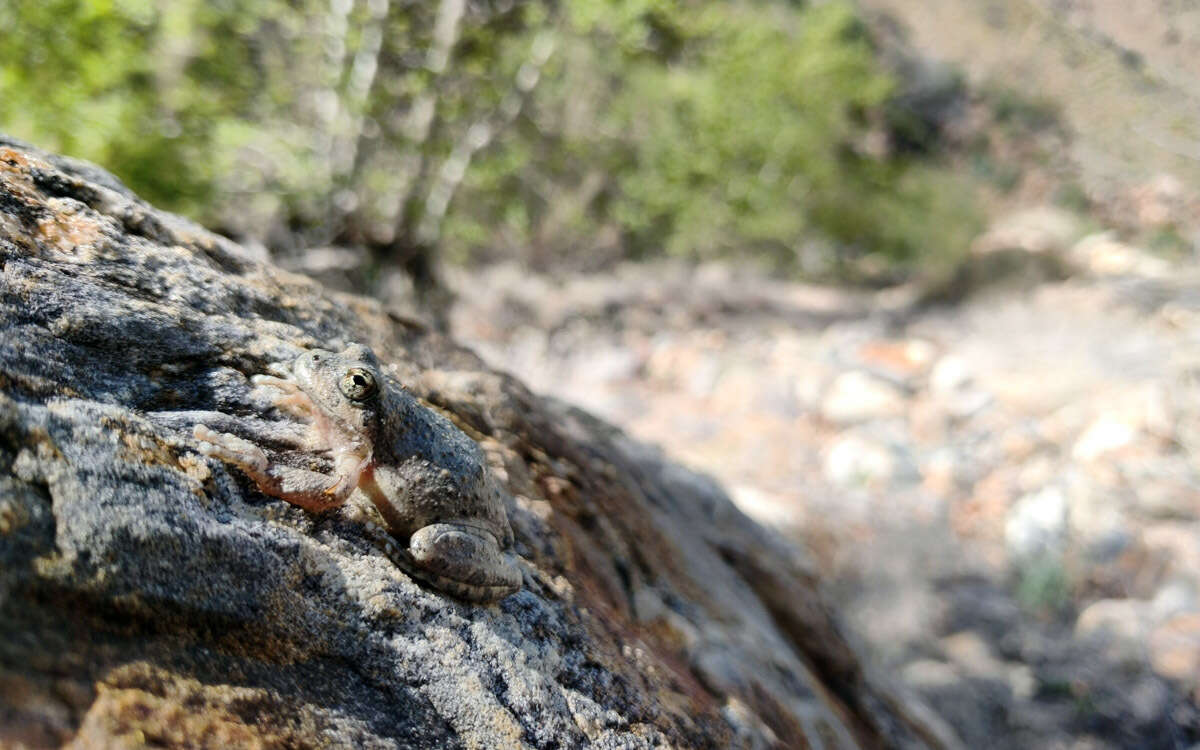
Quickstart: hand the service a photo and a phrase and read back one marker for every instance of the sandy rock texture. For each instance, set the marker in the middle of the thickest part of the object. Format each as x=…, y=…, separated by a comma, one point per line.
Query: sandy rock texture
x=150, y=596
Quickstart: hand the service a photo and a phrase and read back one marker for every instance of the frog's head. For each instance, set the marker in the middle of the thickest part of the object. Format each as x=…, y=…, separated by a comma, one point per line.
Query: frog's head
x=345, y=387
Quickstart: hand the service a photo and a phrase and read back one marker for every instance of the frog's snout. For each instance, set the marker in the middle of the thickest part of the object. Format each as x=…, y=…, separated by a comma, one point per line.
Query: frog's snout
x=306, y=364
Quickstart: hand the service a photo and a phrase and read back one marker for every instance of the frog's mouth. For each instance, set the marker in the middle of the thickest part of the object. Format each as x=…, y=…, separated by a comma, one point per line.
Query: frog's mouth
x=300, y=394
x=311, y=378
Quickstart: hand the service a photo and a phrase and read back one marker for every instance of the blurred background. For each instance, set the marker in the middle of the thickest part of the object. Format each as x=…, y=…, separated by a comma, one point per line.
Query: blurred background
x=916, y=280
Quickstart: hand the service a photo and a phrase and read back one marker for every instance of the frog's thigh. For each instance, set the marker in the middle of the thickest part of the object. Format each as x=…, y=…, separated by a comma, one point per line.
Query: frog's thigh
x=464, y=555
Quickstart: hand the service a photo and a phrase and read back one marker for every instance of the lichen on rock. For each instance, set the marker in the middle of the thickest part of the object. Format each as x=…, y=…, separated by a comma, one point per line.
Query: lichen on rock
x=152, y=596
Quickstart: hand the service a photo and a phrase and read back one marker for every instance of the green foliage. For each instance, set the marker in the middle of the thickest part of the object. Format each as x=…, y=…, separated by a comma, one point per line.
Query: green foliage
x=1171, y=242
x=725, y=131
x=1012, y=106
x=745, y=130
x=248, y=114
x=1043, y=586
x=78, y=77
x=1072, y=196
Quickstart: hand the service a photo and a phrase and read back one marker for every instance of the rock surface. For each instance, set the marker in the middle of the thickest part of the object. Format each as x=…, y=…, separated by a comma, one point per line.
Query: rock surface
x=151, y=597
x=1033, y=495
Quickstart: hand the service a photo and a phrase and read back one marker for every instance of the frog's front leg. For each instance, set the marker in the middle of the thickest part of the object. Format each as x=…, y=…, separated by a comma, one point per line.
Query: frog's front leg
x=310, y=490
x=465, y=560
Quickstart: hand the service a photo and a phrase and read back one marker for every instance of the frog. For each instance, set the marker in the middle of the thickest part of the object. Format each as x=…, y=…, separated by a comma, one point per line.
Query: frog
x=429, y=481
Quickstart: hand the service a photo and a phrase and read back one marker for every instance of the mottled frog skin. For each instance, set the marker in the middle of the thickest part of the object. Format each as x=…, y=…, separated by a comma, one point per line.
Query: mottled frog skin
x=428, y=479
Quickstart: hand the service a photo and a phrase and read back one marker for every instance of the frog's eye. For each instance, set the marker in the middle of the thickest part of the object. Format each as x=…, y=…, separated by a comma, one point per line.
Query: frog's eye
x=358, y=384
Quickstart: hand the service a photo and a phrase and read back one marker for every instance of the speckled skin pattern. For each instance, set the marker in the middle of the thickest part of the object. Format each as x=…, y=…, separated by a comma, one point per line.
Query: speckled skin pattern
x=428, y=479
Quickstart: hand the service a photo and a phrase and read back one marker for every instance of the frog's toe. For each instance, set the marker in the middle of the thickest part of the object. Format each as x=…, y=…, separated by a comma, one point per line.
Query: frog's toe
x=464, y=561
x=230, y=448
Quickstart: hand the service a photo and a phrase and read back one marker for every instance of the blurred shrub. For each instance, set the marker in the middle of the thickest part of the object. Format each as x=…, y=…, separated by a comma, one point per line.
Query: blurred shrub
x=296, y=121
x=574, y=132
x=1010, y=105
x=930, y=96
x=736, y=131
x=90, y=79
x=1073, y=197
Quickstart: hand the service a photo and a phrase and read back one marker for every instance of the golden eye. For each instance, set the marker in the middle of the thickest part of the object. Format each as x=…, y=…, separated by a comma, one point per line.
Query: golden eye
x=358, y=384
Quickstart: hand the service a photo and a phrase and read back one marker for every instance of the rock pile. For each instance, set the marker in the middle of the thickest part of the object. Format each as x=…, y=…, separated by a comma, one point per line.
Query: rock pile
x=1004, y=491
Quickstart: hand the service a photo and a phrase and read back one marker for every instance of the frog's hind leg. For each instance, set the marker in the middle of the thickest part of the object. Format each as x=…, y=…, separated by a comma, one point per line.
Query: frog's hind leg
x=464, y=561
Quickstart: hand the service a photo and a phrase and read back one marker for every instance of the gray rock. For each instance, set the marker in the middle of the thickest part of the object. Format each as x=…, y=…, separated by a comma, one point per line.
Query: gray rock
x=853, y=460
x=1175, y=596
x=856, y=396
x=152, y=596
x=1122, y=625
x=1036, y=527
x=1102, y=254
x=949, y=375
x=1096, y=520
x=1040, y=230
